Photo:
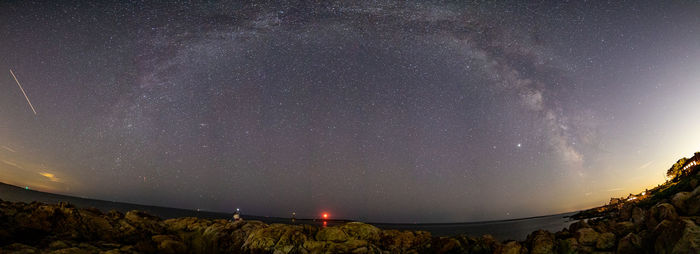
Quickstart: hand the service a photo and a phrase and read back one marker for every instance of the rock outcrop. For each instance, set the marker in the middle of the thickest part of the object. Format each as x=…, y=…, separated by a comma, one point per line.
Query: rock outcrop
x=669, y=225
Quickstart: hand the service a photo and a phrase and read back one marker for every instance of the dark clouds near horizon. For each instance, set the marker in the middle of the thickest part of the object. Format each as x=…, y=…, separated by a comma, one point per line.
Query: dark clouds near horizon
x=382, y=111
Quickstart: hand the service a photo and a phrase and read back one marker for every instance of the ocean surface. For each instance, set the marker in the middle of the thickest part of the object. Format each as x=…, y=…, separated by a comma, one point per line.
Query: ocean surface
x=516, y=229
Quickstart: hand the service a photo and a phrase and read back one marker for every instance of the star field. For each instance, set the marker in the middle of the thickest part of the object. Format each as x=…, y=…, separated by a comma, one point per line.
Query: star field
x=382, y=111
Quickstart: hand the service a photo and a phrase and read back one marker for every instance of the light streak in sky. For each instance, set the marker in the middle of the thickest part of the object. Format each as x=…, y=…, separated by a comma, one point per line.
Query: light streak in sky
x=50, y=176
x=9, y=149
x=25, y=94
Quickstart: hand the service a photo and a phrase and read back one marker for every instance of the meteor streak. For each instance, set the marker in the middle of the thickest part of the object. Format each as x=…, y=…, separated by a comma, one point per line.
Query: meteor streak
x=25, y=94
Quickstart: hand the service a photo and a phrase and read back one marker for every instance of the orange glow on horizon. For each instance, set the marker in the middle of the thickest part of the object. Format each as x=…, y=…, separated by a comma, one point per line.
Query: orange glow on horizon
x=325, y=215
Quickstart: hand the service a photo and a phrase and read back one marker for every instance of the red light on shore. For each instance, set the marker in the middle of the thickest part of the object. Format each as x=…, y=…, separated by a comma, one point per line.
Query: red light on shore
x=325, y=215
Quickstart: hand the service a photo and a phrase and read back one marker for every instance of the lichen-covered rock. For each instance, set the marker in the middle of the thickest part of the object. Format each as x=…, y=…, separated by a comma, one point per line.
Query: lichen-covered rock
x=660, y=212
x=586, y=236
x=41, y=218
x=511, y=247
x=679, y=236
x=540, y=242
x=666, y=234
x=606, y=241
x=604, y=226
x=57, y=245
x=638, y=217
x=563, y=234
x=630, y=244
x=62, y=228
x=187, y=224
x=689, y=241
x=679, y=199
x=625, y=212
x=623, y=228
x=279, y=237
x=568, y=246
x=333, y=234
x=73, y=250
x=692, y=205
x=447, y=245
x=349, y=246
x=484, y=244
x=578, y=225
x=362, y=231
x=224, y=236
x=95, y=225
x=402, y=241
x=19, y=249
x=138, y=225
x=214, y=236
x=171, y=247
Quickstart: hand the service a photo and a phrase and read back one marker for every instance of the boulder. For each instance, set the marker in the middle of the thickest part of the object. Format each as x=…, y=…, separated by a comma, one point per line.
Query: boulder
x=447, y=245
x=362, y=231
x=73, y=250
x=279, y=237
x=95, y=225
x=689, y=241
x=187, y=224
x=401, y=241
x=578, y=225
x=171, y=247
x=586, y=236
x=18, y=248
x=630, y=244
x=638, y=216
x=540, y=241
x=333, y=234
x=314, y=246
x=224, y=236
x=40, y=218
x=660, y=212
x=664, y=211
x=563, y=234
x=511, y=247
x=57, y=245
x=623, y=228
x=139, y=225
x=666, y=234
x=349, y=246
x=257, y=243
x=606, y=241
x=679, y=199
x=625, y=212
x=692, y=205
x=681, y=236
x=483, y=244
x=603, y=226
x=160, y=238
x=114, y=215
x=88, y=247
x=215, y=236
x=291, y=235
x=122, y=250
x=568, y=246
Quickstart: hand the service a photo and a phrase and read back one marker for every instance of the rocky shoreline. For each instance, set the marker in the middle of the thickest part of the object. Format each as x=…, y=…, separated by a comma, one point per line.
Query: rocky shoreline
x=666, y=225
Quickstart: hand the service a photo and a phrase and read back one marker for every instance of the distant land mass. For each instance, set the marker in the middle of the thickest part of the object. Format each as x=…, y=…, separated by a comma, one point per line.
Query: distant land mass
x=664, y=219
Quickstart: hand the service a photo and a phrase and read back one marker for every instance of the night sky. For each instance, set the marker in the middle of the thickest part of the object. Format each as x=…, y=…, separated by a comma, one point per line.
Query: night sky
x=378, y=111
